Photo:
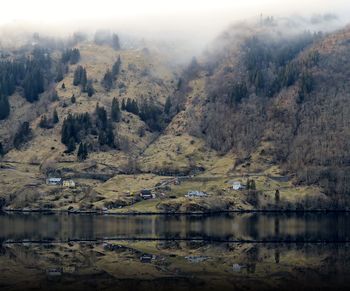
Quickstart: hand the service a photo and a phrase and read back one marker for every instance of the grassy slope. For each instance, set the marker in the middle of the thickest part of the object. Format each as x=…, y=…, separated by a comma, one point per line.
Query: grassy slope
x=175, y=150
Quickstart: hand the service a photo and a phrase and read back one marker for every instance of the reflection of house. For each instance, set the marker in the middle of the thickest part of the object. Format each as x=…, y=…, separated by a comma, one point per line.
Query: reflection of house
x=146, y=258
x=236, y=267
x=54, y=272
x=54, y=181
x=69, y=183
x=196, y=194
x=146, y=194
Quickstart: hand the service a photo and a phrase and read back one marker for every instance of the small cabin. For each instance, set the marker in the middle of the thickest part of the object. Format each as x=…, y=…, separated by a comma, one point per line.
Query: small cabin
x=69, y=183
x=196, y=259
x=146, y=258
x=54, y=181
x=236, y=185
x=195, y=194
x=146, y=194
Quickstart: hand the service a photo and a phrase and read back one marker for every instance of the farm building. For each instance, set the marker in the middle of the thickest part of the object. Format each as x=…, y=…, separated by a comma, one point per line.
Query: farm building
x=69, y=183
x=236, y=185
x=146, y=194
x=54, y=181
x=195, y=194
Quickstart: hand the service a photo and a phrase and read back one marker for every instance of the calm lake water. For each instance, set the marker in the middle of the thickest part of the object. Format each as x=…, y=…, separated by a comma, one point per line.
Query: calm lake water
x=308, y=251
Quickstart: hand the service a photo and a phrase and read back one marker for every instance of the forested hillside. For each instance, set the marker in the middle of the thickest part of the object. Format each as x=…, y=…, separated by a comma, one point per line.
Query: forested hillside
x=262, y=100
x=283, y=96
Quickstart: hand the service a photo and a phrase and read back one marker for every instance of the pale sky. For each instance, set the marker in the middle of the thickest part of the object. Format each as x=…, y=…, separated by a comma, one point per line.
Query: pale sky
x=61, y=11
x=194, y=20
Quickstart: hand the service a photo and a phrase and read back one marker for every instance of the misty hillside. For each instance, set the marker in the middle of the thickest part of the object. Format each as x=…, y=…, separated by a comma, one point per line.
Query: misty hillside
x=277, y=98
x=261, y=100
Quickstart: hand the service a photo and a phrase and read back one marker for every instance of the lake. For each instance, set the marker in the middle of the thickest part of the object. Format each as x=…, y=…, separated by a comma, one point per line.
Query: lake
x=258, y=251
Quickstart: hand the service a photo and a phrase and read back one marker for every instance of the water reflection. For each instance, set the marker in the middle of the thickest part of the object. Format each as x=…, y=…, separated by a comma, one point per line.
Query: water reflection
x=305, y=227
x=174, y=265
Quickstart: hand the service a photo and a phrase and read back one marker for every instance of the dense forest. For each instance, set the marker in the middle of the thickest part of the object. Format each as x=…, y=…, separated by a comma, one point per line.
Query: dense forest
x=289, y=100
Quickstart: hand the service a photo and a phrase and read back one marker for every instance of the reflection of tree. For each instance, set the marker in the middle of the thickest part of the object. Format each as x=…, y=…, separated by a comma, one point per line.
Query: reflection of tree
x=252, y=226
x=251, y=268
x=277, y=255
x=169, y=245
x=277, y=227
x=2, y=249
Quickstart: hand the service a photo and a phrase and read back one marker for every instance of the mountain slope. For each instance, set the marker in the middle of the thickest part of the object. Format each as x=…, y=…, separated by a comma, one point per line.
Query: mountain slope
x=262, y=105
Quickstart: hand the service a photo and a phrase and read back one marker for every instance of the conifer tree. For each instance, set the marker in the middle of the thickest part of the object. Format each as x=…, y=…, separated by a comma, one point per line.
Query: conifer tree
x=107, y=80
x=90, y=88
x=116, y=68
x=123, y=105
x=55, y=118
x=4, y=107
x=82, y=152
x=59, y=74
x=80, y=77
x=44, y=123
x=71, y=145
x=167, y=106
x=21, y=135
x=115, y=111
x=2, y=151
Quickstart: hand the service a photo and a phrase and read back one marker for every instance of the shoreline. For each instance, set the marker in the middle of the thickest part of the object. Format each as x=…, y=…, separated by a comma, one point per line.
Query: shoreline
x=208, y=213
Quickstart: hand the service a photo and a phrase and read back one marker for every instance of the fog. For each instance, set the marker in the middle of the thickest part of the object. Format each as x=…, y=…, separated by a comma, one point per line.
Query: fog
x=193, y=22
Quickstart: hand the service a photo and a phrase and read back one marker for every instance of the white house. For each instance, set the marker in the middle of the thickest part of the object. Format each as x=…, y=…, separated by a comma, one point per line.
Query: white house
x=195, y=194
x=69, y=183
x=236, y=185
x=54, y=181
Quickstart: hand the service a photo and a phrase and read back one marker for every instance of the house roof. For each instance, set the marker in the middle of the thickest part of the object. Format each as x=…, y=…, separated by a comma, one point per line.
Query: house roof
x=55, y=179
x=234, y=182
x=195, y=193
x=146, y=192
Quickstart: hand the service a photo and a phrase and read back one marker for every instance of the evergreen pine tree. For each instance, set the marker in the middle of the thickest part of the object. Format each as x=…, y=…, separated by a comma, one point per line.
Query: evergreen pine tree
x=80, y=77
x=123, y=105
x=82, y=152
x=73, y=99
x=71, y=145
x=59, y=74
x=90, y=88
x=110, y=136
x=102, y=138
x=83, y=80
x=116, y=67
x=44, y=123
x=4, y=107
x=74, y=56
x=167, y=106
x=134, y=107
x=55, y=118
x=21, y=135
x=115, y=111
x=2, y=151
x=33, y=83
x=107, y=80
x=252, y=185
x=101, y=120
x=128, y=105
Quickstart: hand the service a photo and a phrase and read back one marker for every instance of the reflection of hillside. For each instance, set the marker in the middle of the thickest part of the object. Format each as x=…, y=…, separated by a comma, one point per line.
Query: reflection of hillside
x=233, y=227
x=166, y=265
